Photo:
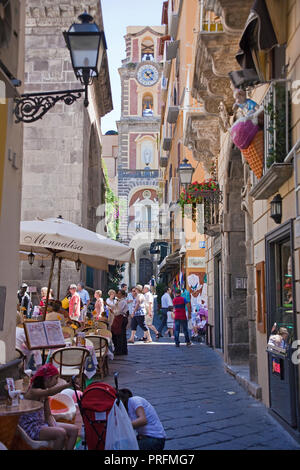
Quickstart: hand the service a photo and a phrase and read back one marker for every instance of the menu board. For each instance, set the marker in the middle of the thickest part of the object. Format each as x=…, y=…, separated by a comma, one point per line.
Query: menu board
x=42, y=335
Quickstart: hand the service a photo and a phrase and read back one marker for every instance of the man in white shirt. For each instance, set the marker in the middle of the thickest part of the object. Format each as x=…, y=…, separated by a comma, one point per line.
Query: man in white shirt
x=149, y=310
x=166, y=304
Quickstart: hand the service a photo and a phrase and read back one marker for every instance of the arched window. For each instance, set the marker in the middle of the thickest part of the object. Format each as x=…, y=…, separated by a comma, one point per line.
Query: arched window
x=147, y=49
x=147, y=105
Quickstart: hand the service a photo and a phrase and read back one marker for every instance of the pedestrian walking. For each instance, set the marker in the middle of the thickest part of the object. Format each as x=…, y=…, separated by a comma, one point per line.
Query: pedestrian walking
x=24, y=300
x=85, y=299
x=166, y=305
x=74, y=303
x=138, y=315
x=130, y=299
x=149, y=310
x=180, y=317
x=144, y=419
x=99, y=304
x=170, y=324
x=111, y=302
x=118, y=327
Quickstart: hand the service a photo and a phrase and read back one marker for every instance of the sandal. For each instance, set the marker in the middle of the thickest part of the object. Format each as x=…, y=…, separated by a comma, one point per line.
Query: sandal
x=131, y=342
x=157, y=335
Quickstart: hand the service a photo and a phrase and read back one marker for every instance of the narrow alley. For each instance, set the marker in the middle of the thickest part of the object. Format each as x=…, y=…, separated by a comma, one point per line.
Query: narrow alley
x=201, y=406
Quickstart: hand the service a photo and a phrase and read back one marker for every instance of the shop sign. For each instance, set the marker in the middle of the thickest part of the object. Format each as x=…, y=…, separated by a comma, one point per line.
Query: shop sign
x=277, y=368
x=196, y=262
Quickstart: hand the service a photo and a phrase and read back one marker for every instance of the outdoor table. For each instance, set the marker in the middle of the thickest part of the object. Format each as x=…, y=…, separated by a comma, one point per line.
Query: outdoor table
x=9, y=418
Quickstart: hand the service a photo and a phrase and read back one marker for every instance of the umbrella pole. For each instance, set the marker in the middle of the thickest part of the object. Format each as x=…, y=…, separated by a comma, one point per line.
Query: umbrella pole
x=49, y=285
x=58, y=280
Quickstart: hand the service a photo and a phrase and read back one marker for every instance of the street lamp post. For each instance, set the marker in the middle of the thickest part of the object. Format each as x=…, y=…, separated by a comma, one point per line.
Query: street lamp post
x=87, y=46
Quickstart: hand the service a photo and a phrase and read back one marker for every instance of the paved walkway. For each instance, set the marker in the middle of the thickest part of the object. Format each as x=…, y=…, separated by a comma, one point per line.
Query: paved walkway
x=200, y=405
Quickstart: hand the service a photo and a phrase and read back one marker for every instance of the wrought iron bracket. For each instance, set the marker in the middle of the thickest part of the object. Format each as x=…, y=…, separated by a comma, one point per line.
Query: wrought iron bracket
x=32, y=107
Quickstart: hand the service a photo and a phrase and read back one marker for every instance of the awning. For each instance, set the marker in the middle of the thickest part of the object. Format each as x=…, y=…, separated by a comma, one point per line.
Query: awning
x=170, y=263
x=258, y=33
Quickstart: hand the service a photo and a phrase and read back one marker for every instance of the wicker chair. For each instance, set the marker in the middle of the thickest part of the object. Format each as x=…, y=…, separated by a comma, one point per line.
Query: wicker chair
x=100, y=346
x=71, y=361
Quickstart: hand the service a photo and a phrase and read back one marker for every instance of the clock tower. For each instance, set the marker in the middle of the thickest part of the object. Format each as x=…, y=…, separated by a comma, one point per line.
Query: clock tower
x=139, y=128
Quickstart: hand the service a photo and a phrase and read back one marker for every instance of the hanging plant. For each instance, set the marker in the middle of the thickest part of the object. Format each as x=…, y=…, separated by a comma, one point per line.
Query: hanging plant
x=196, y=194
x=192, y=195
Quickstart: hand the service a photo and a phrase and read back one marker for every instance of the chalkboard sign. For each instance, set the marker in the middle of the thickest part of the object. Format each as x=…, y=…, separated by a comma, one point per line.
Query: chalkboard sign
x=2, y=306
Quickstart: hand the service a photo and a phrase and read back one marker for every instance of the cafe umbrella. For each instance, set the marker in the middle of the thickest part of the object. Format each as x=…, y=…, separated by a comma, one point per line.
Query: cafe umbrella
x=63, y=239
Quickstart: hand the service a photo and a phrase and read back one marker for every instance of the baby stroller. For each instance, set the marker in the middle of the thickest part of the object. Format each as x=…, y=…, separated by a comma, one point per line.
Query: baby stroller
x=94, y=405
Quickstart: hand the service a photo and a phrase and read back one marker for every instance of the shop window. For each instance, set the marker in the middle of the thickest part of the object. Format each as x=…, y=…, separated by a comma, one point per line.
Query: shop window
x=282, y=316
x=147, y=105
x=147, y=49
x=260, y=295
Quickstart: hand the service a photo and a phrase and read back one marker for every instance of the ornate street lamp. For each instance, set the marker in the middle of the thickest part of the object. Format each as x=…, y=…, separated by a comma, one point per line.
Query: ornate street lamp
x=78, y=264
x=276, y=209
x=185, y=171
x=31, y=257
x=87, y=46
x=42, y=267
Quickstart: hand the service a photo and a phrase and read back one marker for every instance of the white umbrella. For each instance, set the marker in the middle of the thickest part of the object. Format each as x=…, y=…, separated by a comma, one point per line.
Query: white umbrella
x=66, y=240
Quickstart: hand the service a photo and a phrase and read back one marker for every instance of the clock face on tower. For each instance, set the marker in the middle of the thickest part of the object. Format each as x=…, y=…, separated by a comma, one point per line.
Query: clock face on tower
x=147, y=75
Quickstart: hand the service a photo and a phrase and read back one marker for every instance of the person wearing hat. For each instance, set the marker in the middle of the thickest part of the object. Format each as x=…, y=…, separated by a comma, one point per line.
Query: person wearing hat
x=41, y=425
x=24, y=299
x=179, y=304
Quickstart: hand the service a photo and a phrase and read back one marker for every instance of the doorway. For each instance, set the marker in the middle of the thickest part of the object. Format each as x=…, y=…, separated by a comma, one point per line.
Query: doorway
x=218, y=303
x=281, y=322
x=145, y=270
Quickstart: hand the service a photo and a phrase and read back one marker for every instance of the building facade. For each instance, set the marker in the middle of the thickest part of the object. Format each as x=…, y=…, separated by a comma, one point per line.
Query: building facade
x=185, y=265
x=138, y=130
x=62, y=173
x=12, y=31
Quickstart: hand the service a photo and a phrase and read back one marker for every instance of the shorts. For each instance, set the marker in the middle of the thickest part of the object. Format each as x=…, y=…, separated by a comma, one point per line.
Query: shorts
x=139, y=320
x=149, y=320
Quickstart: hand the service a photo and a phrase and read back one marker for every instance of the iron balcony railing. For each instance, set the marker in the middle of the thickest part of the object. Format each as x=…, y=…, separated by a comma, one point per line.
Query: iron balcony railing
x=143, y=174
x=277, y=135
x=146, y=226
x=209, y=22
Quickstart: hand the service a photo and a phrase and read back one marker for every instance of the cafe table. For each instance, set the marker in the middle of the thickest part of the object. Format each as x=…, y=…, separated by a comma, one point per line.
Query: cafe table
x=9, y=418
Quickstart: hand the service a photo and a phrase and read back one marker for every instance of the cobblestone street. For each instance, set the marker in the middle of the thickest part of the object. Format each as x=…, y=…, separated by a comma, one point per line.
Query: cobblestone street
x=200, y=405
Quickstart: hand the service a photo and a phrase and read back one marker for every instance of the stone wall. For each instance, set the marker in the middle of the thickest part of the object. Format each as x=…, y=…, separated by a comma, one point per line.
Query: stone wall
x=62, y=166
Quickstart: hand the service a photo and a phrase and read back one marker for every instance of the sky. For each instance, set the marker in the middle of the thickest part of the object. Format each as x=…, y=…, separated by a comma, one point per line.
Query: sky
x=117, y=15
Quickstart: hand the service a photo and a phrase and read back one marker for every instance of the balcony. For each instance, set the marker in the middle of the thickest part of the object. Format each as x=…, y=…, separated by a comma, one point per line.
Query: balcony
x=142, y=174
x=212, y=217
x=277, y=141
x=145, y=226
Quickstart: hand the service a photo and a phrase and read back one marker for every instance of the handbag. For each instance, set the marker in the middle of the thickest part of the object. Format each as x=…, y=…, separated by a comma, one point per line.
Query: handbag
x=120, y=434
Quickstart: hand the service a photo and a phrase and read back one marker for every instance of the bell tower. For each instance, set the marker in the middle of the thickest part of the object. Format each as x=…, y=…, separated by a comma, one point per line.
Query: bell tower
x=139, y=128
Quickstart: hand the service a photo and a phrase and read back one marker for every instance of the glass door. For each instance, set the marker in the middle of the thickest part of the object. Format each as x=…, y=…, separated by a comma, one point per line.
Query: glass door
x=281, y=322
